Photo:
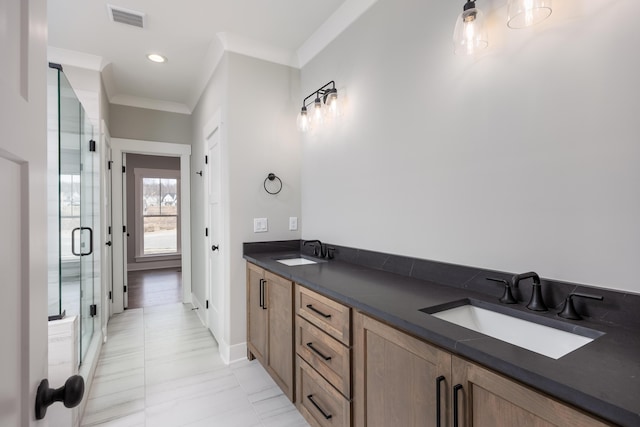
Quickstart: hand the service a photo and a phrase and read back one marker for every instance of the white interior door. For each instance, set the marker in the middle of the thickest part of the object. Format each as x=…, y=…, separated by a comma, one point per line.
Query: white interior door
x=214, y=244
x=13, y=265
x=23, y=217
x=107, y=268
x=126, y=234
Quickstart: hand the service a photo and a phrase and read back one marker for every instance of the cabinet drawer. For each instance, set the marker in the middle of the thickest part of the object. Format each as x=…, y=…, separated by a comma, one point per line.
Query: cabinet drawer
x=325, y=354
x=319, y=403
x=330, y=316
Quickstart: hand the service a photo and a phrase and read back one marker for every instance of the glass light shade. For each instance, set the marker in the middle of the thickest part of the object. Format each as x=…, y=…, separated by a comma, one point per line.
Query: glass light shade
x=470, y=34
x=303, y=121
x=332, y=104
x=318, y=113
x=525, y=13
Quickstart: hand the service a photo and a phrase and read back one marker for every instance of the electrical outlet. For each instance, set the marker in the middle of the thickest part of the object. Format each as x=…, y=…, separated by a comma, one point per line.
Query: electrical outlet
x=260, y=225
x=293, y=223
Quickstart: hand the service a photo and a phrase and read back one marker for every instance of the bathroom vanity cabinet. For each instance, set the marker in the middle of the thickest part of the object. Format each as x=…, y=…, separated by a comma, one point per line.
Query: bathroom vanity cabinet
x=270, y=325
x=346, y=366
x=401, y=380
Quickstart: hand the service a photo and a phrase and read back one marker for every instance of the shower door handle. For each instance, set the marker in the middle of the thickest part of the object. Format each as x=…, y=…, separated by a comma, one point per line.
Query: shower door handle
x=73, y=241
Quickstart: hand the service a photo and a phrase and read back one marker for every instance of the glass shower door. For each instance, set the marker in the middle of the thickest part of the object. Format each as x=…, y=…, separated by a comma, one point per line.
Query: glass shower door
x=76, y=168
x=86, y=232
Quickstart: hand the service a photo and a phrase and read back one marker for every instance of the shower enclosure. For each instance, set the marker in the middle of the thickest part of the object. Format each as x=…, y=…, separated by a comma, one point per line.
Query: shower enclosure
x=73, y=209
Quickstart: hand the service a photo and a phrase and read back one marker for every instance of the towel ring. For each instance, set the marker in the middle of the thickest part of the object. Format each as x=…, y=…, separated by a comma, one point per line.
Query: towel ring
x=272, y=184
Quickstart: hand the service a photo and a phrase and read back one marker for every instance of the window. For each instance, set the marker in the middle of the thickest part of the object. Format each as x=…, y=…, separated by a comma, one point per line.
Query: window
x=69, y=212
x=157, y=212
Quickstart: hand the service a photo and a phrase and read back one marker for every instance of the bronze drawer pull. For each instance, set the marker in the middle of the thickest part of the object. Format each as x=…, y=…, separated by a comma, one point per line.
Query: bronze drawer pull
x=310, y=307
x=310, y=345
x=324, y=414
x=456, y=389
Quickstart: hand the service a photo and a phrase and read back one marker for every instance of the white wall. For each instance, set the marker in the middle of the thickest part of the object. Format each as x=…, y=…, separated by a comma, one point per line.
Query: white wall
x=523, y=158
x=257, y=100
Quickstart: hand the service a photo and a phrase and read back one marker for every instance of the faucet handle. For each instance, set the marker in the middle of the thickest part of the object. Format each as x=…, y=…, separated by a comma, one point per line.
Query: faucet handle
x=507, y=297
x=569, y=310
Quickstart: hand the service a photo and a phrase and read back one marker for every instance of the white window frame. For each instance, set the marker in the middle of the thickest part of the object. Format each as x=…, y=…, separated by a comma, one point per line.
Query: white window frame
x=138, y=175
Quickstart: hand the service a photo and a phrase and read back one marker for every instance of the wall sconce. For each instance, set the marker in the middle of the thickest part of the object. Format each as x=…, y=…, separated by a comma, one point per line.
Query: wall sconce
x=324, y=103
x=470, y=34
x=525, y=13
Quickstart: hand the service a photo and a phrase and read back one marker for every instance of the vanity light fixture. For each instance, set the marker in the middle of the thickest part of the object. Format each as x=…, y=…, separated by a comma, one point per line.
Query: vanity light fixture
x=470, y=34
x=325, y=102
x=525, y=13
x=154, y=57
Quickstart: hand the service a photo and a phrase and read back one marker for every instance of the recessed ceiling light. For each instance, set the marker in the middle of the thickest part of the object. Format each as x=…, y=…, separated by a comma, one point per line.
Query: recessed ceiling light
x=154, y=57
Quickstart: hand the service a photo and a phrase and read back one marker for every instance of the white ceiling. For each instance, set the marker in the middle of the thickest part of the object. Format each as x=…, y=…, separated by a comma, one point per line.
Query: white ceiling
x=192, y=34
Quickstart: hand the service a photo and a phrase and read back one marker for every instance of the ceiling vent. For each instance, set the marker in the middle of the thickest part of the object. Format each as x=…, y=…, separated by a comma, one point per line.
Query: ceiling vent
x=126, y=16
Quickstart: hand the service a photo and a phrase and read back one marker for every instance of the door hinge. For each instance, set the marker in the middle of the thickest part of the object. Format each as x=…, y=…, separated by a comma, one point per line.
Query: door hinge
x=207, y=304
x=124, y=169
x=110, y=296
x=109, y=163
x=206, y=160
x=124, y=228
x=125, y=288
x=206, y=232
x=92, y=145
x=93, y=310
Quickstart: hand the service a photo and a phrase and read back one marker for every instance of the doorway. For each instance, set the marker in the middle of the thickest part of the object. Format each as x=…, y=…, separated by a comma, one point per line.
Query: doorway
x=153, y=238
x=164, y=206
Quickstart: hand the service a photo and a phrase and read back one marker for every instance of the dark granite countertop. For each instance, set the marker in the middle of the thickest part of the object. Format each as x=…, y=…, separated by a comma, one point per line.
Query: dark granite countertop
x=602, y=378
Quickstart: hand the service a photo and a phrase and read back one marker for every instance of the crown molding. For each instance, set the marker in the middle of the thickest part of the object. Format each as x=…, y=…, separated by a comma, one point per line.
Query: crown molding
x=257, y=49
x=340, y=20
x=75, y=58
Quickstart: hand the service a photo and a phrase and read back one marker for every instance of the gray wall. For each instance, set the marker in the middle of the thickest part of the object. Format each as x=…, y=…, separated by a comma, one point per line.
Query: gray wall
x=149, y=125
x=147, y=162
x=258, y=102
x=523, y=158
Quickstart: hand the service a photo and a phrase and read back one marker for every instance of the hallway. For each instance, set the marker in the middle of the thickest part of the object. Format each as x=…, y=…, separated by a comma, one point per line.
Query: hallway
x=160, y=367
x=154, y=287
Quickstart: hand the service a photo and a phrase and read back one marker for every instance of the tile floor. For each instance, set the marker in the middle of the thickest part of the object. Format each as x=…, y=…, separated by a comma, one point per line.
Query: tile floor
x=160, y=367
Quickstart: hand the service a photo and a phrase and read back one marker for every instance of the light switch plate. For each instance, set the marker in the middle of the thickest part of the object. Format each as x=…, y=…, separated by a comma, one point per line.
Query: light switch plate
x=293, y=223
x=260, y=225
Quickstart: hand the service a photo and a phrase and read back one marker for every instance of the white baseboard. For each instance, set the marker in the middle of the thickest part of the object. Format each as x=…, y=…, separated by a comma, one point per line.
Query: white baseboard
x=200, y=310
x=233, y=353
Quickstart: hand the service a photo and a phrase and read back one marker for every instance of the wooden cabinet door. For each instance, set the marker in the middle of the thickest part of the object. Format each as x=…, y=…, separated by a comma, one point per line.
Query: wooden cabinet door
x=487, y=399
x=396, y=377
x=256, y=314
x=279, y=302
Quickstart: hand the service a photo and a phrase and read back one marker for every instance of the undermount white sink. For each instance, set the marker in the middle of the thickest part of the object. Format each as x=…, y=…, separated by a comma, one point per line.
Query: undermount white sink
x=292, y=262
x=545, y=340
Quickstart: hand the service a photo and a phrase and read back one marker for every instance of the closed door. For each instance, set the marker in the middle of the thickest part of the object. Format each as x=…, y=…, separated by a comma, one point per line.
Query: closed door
x=215, y=246
x=398, y=378
x=279, y=304
x=256, y=313
x=23, y=216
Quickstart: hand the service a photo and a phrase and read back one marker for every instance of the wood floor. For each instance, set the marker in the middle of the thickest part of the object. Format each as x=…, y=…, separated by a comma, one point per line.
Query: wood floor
x=154, y=287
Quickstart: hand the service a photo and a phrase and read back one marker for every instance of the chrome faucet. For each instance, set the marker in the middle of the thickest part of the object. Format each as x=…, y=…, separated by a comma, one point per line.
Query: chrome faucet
x=536, y=302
